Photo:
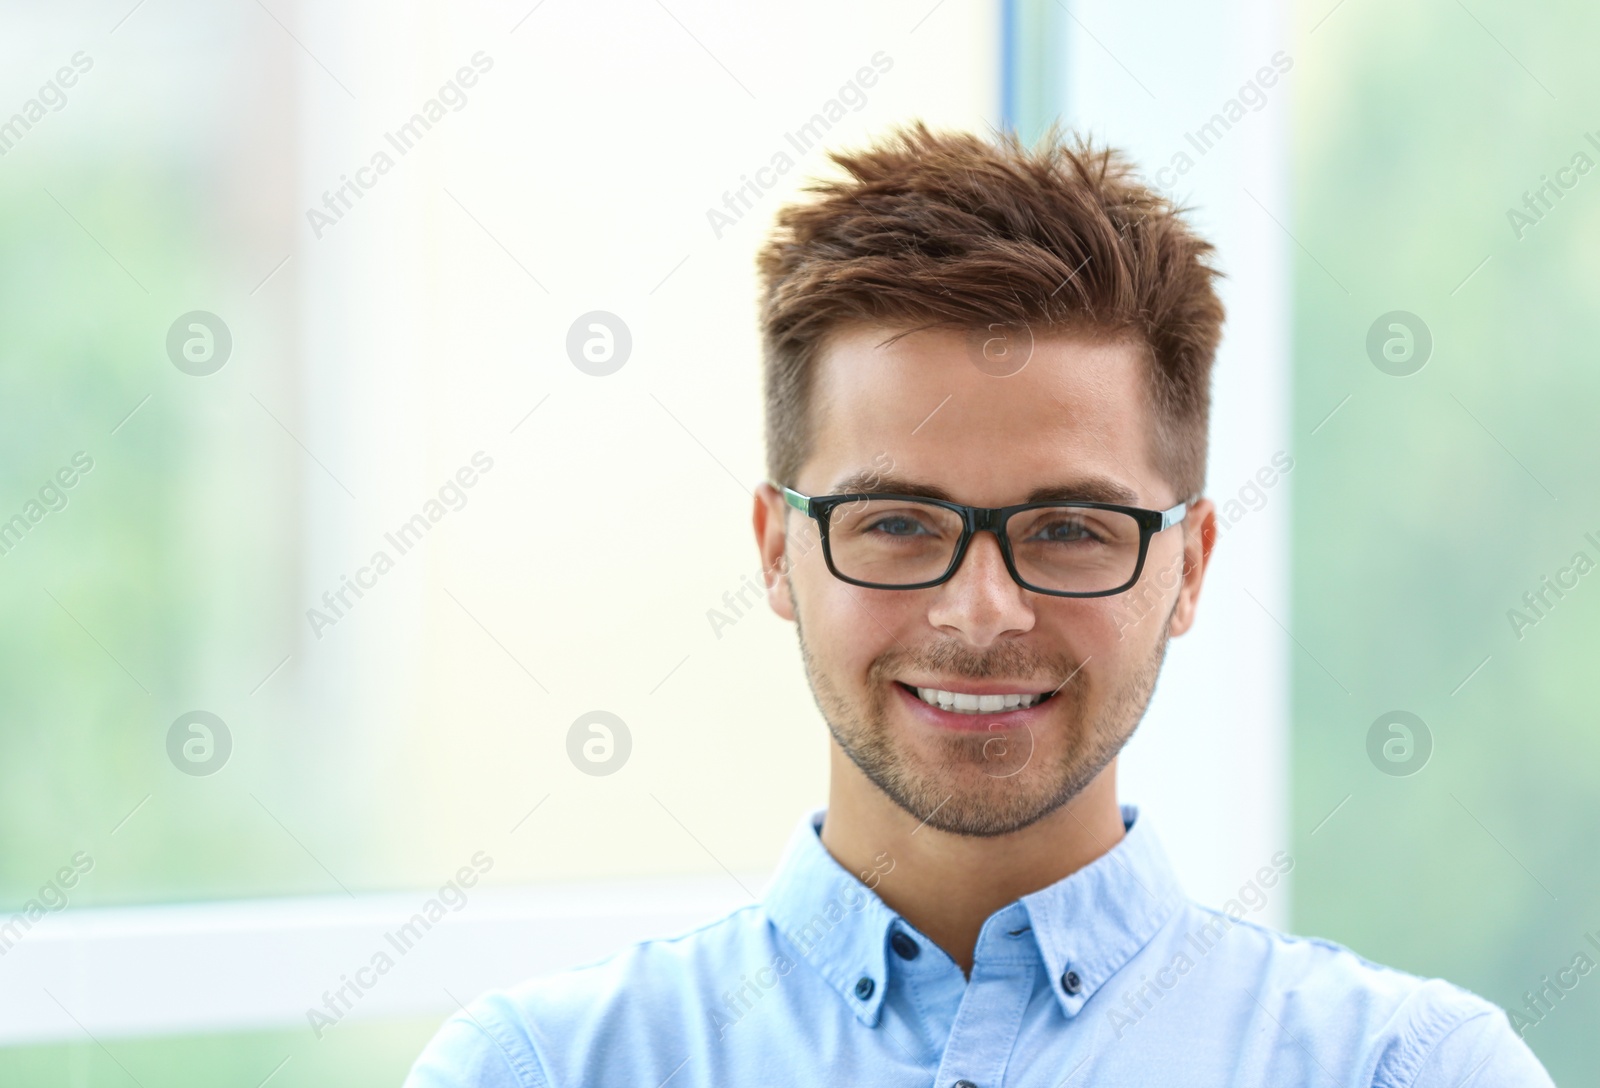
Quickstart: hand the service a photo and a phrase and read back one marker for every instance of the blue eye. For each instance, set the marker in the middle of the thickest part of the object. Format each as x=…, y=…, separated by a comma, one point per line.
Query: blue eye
x=1076, y=531
x=897, y=526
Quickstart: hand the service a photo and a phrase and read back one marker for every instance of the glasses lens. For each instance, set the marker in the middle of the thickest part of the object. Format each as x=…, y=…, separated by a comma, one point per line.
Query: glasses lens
x=892, y=542
x=1074, y=549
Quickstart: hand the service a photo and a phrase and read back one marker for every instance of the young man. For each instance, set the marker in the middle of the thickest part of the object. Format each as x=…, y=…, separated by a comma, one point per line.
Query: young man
x=987, y=389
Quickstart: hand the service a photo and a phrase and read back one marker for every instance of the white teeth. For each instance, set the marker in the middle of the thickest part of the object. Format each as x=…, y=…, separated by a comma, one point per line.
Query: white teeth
x=962, y=703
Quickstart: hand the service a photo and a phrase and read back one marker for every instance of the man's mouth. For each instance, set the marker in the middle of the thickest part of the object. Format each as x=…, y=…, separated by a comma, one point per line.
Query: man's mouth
x=961, y=702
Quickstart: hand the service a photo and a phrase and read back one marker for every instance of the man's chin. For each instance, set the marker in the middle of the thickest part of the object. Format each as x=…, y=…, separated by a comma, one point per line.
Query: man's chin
x=983, y=808
x=964, y=790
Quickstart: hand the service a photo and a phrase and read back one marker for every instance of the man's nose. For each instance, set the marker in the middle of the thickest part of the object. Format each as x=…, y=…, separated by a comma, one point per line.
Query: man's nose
x=981, y=601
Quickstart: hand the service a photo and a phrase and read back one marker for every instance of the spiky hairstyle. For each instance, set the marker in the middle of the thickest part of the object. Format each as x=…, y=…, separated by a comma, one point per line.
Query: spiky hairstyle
x=928, y=229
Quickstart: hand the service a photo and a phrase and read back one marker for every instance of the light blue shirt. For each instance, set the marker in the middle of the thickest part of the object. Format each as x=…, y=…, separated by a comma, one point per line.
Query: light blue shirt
x=1108, y=977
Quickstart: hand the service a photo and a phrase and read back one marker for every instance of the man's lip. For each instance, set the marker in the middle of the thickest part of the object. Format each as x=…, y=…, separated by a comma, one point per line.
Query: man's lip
x=984, y=687
x=1017, y=717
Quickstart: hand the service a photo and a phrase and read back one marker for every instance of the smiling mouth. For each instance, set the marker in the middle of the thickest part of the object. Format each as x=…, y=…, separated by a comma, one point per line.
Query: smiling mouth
x=959, y=702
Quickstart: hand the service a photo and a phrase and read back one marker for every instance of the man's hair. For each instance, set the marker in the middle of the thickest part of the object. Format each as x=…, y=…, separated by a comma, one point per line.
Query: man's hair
x=946, y=229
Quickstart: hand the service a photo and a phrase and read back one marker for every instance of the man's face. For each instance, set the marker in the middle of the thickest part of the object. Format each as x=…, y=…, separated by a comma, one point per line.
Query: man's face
x=921, y=412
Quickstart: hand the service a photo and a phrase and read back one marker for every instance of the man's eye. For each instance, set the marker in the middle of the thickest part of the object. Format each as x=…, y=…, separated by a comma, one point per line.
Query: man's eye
x=1065, y=532
x=897, y=526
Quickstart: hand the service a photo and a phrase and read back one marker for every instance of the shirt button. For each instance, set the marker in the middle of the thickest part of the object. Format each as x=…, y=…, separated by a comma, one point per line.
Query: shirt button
x=864, y=987
x=963, y=1084
x=1071, y=983
x=904, y=946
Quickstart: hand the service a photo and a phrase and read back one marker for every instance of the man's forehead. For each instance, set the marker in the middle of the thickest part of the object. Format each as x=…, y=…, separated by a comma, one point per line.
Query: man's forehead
x=1071, y=424
x=879, y=368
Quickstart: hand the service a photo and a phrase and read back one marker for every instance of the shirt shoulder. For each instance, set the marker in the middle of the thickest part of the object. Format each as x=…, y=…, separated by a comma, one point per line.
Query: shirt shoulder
x=1414, y=1032
x=642, y=1010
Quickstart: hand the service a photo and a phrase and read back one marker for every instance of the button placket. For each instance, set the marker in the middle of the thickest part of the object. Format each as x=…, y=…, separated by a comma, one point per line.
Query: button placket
x=996, y=996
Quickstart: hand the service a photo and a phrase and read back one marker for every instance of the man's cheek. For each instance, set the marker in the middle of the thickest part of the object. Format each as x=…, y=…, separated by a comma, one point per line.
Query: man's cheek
x=848, y=635
x=1148, y=602
x=1114, y=622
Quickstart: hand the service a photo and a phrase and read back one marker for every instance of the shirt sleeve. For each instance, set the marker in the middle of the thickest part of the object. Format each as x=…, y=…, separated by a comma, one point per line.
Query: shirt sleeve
x=476, y=1049
x=1482, y=1052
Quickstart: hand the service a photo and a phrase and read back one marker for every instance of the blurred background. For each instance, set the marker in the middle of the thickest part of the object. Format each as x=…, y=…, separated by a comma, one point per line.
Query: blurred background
x=341, y=343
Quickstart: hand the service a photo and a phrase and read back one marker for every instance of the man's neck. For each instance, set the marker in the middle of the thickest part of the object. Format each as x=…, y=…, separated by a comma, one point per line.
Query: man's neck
x=948, y=885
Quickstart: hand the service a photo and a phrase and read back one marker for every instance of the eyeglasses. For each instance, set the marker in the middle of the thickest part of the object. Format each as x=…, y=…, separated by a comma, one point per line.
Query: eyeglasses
x=1064, y=549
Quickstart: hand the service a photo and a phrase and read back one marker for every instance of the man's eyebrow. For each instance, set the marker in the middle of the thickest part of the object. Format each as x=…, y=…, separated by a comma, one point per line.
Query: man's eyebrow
x=1088, y=489
x=1084, y=489
x=869, y=480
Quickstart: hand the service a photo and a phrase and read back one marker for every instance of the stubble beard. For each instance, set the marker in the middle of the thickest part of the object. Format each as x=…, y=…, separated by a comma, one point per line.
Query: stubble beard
x=981, y=783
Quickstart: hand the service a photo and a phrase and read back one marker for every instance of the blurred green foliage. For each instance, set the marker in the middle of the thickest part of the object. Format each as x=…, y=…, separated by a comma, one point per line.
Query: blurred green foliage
x=1426, y=506
x=161, y=585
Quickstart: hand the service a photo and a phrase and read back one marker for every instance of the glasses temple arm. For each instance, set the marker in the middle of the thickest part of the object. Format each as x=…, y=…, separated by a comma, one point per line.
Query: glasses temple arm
x=1171, y=517
x=800, y=502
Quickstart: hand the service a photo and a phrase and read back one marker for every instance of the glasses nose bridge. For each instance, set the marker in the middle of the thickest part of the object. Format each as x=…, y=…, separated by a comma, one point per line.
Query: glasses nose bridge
x=987, y=519
x=984, y=518
x=980, y=519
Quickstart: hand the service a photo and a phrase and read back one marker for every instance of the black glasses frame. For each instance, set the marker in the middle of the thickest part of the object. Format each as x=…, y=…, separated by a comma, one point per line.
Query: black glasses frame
x=978, y=519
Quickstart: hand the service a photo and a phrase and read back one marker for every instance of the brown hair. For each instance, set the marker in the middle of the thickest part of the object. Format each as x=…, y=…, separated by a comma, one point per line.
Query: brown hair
x=945, y=229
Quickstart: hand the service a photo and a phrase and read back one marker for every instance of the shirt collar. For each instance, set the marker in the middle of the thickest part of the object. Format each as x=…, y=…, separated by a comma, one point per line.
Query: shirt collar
x=835, y=920
x=1093, y=921
x=1090, y=922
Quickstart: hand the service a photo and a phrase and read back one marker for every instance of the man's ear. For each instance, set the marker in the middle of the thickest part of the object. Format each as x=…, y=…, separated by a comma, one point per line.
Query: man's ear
x=770, y=519
x=1199, y=537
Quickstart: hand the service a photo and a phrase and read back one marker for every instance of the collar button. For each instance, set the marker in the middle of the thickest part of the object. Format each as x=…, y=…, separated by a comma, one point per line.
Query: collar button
x=1071, y=983
x=905, y=947
x=864, y=987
